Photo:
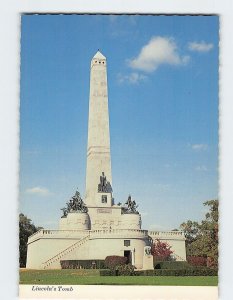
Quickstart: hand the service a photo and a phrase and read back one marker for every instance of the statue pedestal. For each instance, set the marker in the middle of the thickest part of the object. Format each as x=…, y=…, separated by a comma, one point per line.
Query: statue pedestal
x=75, y=221
x=148, y=262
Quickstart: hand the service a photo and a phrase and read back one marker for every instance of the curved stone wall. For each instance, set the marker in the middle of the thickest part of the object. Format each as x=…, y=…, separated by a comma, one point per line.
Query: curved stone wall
x=130, y=221
x=75, y=221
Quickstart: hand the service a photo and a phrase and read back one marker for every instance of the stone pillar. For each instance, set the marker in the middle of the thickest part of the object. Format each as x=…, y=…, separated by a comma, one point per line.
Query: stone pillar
x=133, y=256
x=98, y=148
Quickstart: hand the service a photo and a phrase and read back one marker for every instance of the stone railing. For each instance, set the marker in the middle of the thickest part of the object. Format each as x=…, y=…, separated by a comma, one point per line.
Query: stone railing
x=137, y=233
x=44, y=233
x=93, y=233
x=166, y=234
x=38, y=233
x=105, y=233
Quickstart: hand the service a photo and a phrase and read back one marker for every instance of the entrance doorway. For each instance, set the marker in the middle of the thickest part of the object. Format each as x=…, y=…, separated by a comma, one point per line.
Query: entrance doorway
x=127, y=254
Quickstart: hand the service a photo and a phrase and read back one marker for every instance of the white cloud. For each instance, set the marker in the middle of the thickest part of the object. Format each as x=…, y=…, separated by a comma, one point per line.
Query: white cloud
x=201, y=168
x=158, y=51
x=199, y=147
x=132, y=78
x=200, y=47
x=38, y=191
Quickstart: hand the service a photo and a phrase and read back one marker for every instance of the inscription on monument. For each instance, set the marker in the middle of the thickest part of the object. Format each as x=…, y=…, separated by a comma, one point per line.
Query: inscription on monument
x=104, y=211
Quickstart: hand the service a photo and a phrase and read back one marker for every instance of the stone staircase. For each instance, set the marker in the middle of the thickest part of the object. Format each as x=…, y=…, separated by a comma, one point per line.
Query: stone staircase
x=55, y=260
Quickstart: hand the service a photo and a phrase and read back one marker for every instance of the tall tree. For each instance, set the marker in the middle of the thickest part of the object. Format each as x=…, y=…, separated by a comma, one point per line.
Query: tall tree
x=191, y=230
x=26, y=228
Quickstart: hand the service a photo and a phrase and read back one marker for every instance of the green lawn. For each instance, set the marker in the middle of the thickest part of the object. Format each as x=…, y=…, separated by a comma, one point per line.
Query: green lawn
x=83, y=277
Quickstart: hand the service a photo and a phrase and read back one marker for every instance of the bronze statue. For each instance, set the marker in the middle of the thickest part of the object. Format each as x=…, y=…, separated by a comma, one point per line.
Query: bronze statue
x=65, y=212
x=104, y=186
x=148, y=250
x=131, y=206
x=75, y=204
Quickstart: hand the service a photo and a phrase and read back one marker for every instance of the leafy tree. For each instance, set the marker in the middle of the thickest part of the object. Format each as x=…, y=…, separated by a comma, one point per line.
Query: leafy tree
x=26, y=228
x=161, y=250
x=202, y=238
x=191, y=230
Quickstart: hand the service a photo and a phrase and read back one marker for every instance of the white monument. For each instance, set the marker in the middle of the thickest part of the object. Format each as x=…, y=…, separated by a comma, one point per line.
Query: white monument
x=98, y=146
x=95, y=228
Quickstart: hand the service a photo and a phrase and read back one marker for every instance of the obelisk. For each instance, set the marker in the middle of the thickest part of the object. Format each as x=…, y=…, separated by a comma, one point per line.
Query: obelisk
x=98, y=146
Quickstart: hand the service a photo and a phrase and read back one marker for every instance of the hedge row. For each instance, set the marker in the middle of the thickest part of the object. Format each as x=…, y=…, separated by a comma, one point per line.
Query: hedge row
x=82, y=264
x=120, y=270
x=166, y=272
x=178, y=272
x=171, y=265
x=125, y=270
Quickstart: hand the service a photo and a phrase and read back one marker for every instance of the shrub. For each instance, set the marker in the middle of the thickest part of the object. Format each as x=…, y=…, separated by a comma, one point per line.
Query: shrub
x=107, y=272
x=171, y=265
x=125, y=270
x=120, y=270
x=212, y=262
x=112, y=261
x=197, y=260
x=162, y=258
x=145, y=273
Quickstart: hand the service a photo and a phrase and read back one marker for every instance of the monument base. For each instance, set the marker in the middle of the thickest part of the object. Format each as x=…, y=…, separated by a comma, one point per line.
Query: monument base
x=148, y=262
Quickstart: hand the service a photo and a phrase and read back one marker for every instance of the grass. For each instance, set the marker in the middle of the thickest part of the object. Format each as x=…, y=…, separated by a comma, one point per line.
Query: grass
x=91, y=277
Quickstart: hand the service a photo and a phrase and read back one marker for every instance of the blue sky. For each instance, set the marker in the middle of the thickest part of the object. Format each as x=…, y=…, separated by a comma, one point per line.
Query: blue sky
x=163, y=103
